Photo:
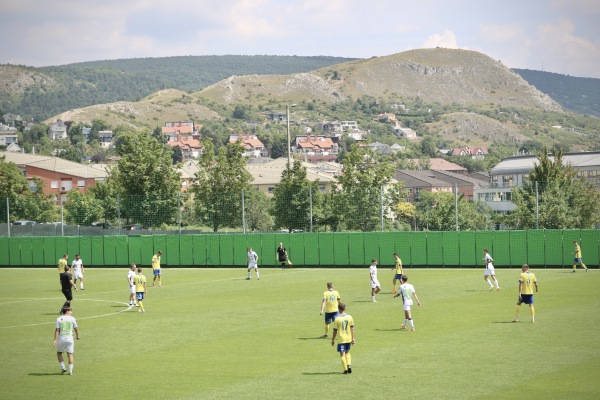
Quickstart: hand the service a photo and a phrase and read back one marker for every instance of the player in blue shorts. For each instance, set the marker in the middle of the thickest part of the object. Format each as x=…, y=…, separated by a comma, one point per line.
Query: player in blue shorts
x=343, y=328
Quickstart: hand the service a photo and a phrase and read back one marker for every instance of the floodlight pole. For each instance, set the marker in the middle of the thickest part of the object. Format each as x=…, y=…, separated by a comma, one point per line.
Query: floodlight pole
x=289, y=147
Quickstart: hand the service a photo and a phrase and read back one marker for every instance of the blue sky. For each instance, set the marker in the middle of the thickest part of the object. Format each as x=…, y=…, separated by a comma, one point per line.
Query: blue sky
x=561, y=36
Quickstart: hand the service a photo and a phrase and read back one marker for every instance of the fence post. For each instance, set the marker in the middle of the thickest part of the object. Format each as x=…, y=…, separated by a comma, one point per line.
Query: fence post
x=311, y=210
x=8, y=216
x=62, y=217
x=381, y=202
x=179, y=210
x=119, y=212
x=537, y=210
x=243, y=213
x=456, y=205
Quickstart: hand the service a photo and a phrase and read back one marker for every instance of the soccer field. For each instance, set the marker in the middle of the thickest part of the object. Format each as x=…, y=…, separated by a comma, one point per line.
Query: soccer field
x=210, y=334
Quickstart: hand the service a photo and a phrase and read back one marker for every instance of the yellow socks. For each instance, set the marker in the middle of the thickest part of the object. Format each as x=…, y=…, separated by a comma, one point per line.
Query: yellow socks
x=348, y=359
x=344, y=365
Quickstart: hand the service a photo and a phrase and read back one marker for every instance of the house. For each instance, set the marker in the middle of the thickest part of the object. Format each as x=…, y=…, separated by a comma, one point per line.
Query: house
x=464, y=184
x=313, y=145
x=268, y=175
x=385, y=117
x=190, y=144
x=514, y=171
x=59, y=176
x=105, y=138
x=442, y=165
x=405, y=132
x=470, y=151
x=253, y=146
x=8, y=135
x=380, y=148
x=332, y=127
x=277, y=116
x=12, y=119
x=57, y=130
x=417, y=181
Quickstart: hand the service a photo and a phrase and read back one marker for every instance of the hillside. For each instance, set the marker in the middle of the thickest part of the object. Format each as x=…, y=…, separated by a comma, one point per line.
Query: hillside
x=149, y=112
x=581, y=95
x=441, y=76
x=43, y=92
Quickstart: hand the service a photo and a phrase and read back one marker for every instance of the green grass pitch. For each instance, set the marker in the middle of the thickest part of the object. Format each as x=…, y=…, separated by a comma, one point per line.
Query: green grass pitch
x=210, y=334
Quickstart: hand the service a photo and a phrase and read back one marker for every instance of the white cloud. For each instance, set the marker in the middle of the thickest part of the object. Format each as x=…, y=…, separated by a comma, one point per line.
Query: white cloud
x=446, y=39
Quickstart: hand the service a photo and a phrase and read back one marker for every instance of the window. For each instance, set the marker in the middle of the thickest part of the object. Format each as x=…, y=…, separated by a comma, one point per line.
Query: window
x=81, y=183
x=270, y=189
x=54, y=184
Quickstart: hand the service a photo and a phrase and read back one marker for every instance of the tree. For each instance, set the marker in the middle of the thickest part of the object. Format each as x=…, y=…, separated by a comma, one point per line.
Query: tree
x=437, y=212
x=564, y=201
x=82, y=209
x=12, y=184
x=158, y=134
x=177, y=155
x=218, y=185
x=147, y=177
x=364, y=188
x=257, y=211
x=292, y=198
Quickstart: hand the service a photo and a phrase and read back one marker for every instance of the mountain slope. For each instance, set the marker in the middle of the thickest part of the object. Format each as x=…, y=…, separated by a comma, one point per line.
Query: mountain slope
x=442, y=76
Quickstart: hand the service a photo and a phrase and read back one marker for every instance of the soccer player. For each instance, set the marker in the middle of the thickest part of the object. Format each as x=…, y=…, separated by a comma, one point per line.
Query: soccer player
x=489, y=270
x=156, y=268
x=66, y=282
x=62, y=263
x=140, y=288
x=281, y=255
x=526, y=282
x=78, y=271
x=131, y=282
x=330, y=306
x=375, y=286
x=343, y=327
x=63, y=338
x=577, y=259
x=407, y=291
x=398, y=273
x=252, y=261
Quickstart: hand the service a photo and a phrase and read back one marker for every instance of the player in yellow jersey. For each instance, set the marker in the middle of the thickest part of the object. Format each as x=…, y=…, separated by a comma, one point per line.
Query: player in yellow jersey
x=156, y=268
x=398, y=273
x=577, y=258
x=62, y=263
x=343, y=327
x=140, y=288
x=330, y=306
x=527, y=281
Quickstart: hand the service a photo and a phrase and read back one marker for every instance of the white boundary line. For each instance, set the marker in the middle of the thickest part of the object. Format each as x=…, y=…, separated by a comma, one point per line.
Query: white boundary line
x=53, y=322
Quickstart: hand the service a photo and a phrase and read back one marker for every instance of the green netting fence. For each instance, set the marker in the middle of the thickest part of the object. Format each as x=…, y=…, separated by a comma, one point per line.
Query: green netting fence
x=538, y=248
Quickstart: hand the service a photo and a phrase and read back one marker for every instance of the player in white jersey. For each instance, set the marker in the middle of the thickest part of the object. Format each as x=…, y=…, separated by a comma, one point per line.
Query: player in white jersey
x=407, y=291
x=489, y=270
x=130, y=281
x=63, y=338
x=78, y=270
x=375, y=286
x=252, y=261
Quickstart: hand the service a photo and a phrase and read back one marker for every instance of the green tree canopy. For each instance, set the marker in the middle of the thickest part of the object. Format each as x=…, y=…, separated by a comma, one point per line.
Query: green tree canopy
x=218, y=185
x=292, y=198
x=564, y=200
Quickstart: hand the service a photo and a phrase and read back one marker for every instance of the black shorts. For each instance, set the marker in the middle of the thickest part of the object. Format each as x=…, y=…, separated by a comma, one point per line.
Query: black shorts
x=68, y=294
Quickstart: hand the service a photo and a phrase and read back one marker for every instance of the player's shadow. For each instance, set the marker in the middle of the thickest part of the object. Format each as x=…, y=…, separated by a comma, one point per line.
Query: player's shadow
x=390, y=330
x=44, y=373
x=120, y=306
x=504, y=322
x=313, y=338
x=321, y=373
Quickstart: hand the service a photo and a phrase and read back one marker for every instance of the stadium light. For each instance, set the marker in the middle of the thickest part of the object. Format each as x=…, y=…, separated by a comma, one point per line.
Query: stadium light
x=287, y=111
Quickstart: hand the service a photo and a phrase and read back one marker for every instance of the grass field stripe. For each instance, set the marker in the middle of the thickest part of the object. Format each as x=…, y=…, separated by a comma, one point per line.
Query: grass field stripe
x=79, y=319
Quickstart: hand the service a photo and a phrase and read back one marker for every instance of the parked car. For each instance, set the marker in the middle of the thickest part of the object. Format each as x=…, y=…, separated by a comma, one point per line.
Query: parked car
x=24, y=223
